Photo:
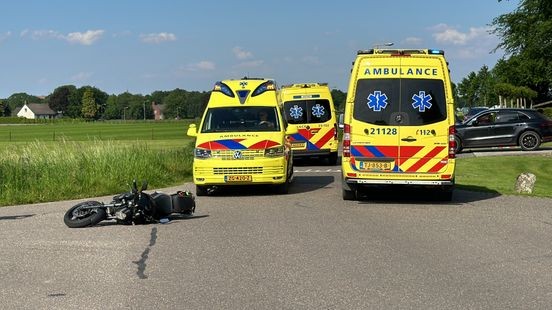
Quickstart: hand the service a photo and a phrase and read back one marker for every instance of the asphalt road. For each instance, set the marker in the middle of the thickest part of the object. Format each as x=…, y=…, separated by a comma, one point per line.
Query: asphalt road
x=249, y=249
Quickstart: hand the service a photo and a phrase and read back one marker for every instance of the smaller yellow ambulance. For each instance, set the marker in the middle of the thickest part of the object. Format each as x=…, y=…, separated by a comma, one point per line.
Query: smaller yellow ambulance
x=309, y=108
x=399, y=122
x=242, y=138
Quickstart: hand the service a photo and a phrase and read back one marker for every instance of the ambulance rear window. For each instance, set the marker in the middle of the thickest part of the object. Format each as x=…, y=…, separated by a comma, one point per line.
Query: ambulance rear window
x=307, y=111
x=238, y=119
x=405, y=102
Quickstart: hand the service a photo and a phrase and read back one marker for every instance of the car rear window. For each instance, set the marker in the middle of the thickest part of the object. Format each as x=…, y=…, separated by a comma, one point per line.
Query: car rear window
x=405, y=102
x=307, y=111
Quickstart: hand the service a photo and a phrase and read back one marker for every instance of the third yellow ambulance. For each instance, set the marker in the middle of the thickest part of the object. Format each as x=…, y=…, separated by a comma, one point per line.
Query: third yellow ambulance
x=309, y=108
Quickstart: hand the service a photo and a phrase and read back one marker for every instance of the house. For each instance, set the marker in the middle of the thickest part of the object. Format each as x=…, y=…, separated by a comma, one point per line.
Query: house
x=158, y=110
x=36, y=111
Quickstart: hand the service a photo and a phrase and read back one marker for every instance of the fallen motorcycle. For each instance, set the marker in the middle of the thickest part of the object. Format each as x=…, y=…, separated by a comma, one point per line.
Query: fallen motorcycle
x=134, y=207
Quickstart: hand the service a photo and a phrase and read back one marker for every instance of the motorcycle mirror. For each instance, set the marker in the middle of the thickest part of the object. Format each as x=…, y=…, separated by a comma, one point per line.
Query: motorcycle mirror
x=144, y=185
x=134, y=186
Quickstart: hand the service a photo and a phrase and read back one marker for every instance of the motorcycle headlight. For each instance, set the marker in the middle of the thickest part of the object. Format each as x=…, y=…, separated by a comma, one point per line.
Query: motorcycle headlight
x=202, y=153
x=274, y=151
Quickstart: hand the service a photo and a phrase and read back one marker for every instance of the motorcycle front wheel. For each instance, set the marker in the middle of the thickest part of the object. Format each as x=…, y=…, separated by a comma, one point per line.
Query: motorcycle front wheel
x=84, y=214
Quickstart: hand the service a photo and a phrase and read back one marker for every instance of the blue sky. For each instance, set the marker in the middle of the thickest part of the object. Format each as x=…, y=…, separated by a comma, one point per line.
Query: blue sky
x=143, y=46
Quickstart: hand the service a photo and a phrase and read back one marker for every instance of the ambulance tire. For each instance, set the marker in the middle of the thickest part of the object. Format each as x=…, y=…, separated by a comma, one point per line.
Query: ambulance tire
x=348, y=195
x=201, y=190
x=332, y=159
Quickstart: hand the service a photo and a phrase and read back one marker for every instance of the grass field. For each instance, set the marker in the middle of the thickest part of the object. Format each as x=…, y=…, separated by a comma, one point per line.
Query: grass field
x=68, y=160
x=87, y=131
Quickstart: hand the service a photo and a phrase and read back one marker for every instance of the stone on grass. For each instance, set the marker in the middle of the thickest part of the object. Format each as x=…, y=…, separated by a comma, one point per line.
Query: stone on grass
x=525, y=182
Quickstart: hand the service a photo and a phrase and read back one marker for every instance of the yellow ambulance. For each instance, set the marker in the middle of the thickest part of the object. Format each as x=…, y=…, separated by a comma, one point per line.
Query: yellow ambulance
x=242, y=138
x=309, y=108
x=399, y=122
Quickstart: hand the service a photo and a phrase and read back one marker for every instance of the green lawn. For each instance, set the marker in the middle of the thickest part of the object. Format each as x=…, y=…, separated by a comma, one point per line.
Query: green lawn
x=498, y=174
x=100, y=130
x=67, y=160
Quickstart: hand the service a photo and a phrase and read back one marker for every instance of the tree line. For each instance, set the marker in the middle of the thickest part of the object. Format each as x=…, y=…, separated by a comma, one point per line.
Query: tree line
x=525, y=72
x=91, y=103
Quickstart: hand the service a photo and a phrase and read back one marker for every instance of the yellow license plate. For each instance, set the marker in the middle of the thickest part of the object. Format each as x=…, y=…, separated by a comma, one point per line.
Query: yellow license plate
x=238, y=178
x=375, y=165
x=299, y=145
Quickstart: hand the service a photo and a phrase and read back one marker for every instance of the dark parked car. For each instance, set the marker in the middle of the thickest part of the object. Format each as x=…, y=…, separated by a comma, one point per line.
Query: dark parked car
x=472, y=111
x=504, y=127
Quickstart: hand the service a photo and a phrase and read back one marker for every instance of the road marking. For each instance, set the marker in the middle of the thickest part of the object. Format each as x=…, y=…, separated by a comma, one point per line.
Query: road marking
x=317, y=170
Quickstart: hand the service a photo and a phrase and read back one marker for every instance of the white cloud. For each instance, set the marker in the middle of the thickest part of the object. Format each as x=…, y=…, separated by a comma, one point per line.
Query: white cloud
x=84, y=38
x=447, y=34
x=4, y=36
x=412, y=41
x=241, y=54
x=42, y=34
x=81, y=76
x=158, y=37
x=250, y=64
x=203, y=65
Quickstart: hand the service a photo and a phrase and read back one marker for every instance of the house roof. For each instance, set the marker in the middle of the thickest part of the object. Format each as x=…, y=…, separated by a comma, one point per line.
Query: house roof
x=15, y=111
x=40, y=109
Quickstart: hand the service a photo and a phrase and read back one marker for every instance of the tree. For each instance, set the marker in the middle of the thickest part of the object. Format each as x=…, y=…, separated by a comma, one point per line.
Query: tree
x=176, y=104
x=89, y=106
x=19, y=99
x=112, y=108
x=339, y=98
x=467, y=89
x=59, y=99
x=525, y=35
x=4, y=108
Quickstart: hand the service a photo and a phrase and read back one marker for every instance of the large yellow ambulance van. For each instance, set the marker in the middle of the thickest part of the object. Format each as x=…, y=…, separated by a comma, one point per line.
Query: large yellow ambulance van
x=309, y=108
x=399, y=122
x=242, y=138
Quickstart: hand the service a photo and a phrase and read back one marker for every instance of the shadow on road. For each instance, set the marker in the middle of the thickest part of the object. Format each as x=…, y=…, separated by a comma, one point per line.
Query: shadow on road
x=461, y=195
x=301, y=184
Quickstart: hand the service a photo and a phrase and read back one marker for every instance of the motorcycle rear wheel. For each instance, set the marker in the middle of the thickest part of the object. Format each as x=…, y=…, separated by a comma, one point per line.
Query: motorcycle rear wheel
x=78, y=217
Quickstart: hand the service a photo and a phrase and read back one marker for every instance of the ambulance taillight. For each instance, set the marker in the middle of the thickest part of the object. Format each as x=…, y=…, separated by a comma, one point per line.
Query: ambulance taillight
x=452, y=142
x=347, y=140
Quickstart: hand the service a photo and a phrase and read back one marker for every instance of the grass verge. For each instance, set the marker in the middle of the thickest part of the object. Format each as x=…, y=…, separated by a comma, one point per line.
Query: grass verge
x=499, y=173
x=38, y=171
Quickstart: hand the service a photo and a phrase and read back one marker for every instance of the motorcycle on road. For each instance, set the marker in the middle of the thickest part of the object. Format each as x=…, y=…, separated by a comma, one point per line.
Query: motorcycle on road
x=134, y=207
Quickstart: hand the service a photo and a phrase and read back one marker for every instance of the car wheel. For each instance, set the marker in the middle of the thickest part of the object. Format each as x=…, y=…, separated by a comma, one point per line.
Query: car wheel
x=458, y=143
x=529, y=141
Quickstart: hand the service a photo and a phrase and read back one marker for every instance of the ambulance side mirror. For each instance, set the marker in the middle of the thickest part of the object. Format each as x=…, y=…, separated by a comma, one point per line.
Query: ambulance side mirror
x=192, y=131
x=340, y=123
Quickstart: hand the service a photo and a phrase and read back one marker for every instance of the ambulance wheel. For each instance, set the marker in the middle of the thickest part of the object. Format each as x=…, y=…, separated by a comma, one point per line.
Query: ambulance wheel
x=332, y=159
x=201, y=190
x=348, y=195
